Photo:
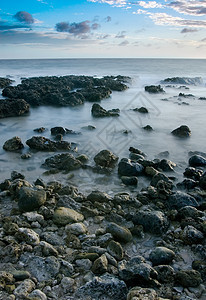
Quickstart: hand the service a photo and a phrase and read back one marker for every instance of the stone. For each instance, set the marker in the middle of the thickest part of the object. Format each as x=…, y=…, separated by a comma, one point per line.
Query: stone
x=30, y=199
x=150, y=171
x=104, y=287
x=128, y=168
x=37, y=295
x=4, y=82
x=191, y=235
x=64, y=216
x=24, y=288
x=100, y=265
x=166, y=165
x=180, y=199
x=20, y=275
x=140, y=293
x=91, y=256
x=188, y=278
x=48, y=249
x=161, y=256
x=115, y=249
x=28, y=236
x=40, y=129
x=58, y=130
x=129, y=180
x=16, y=175
x=100, y=112
x=106, y=158
x=148, y=128
x=98, y=196
x=182, y=132
x=197, y=161
x=136, y=151
x=119, y=233
x=13, y=108
x=65, y=162
x=142, y=110
x=202, y=182
x=158, y=177
x=76, y=228
x=154, y=89
x=166, y=273
x=41, y=143
x=183, y=80
x=153, y=221
x=13, y=144
x=6, y=278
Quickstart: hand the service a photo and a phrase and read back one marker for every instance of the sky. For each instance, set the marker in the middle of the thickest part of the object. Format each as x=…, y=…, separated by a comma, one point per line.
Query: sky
x=102, y=29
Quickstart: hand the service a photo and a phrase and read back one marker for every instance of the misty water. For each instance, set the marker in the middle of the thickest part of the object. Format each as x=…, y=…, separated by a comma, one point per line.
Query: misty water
x=166, y=112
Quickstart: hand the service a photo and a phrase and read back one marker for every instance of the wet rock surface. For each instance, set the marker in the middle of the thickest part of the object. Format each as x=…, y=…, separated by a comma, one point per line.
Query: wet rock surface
x=99, y=112
x=13, y=108
x=182, y=131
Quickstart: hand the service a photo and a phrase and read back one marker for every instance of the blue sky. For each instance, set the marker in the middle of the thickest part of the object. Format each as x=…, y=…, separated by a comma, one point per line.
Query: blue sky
x=102, y=28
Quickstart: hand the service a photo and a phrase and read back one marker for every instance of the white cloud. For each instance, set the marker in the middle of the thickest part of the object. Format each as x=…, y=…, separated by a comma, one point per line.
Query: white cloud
x=150, y=4
x=189, y=7
x=118, y=3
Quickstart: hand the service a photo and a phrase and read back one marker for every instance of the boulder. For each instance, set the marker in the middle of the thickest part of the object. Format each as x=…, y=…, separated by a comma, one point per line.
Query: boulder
x=154, y=89
x=182, y=131
x=142, y=110
x=128, y=168
x=24, y=288
x=28, y=236
x=115, y=249
x=190, y=235
x=100, y=265
x=13, y=107
x=193, y=173
x=65, y=161
x=106, y=158
x=120, y=234
x=197, y=161
x=180, y=199
x=97, y=196
x=64, y=215
x=100, y=112
x=13, y=144
x=129, y=180
x=58, y=130
x=166, y=165
x=4, y=82
x=188, y=278
x=161, y=256
x=41, y=143
x=148, y=128
x=30, y=199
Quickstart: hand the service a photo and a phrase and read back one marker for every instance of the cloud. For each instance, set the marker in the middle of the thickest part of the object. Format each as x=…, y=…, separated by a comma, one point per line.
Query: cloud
x=188, y=30
x=124, y=43
x=150, y=4
x=190, y=7
x=95, y=26
x=8, y=26
x=24, y=17
x=108, y=19
x=118, y=3
x=76, y=29
x=121, y=35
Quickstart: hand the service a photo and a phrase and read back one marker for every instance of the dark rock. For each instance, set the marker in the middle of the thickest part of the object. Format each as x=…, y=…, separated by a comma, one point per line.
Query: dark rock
x=148, y=128
x=13, y=144
x=116, y=250
x=106, y=158
x=183, y=80
x=202, y=182
x=193, y=173
x=100, y=265
x=13, y=107
x=200, y=266
x=180, y=199
x=89, y=127
x=98, y=196
x=159, y=177
x=153, y=221
x=119, y=233
x=182, y=131
x=41, y=143
x=187, y=184
x=4, y=82
x=129, y=180
x=100, y=112
x=26, y=156
x=107, y=286
x=142, y=110
x=166, y=165
x=64, y=215
x=16, y=175
x=30, y=199
x=96, y=93
x=128, y=168
x=136, y=151
x=197, y=161
x=40, y=129
x=135, y=156
x=65, y=161
x=189, y=212
x=191, y=235
x=161, y=256
x=166, y=273
x=154, y=89
x=188, y=278
x=58, y=130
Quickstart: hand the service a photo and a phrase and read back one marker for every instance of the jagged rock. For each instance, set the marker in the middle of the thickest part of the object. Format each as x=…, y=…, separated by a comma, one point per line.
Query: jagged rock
x=119, y=233
x=154, y=89
x=4, y=82
x=190, y=235
x=13, y=107
x=193, y=173
x=64, y=215
x=197, y=161
x=24, y=288
x=182, y=131
x=100, y=265
x=30, y=198
x=183, y=80
x=106, y=158
x=13, y=144
x=76, y=228
x=136, y=151
x=28, y=236
x=128, y=168
x=41, y=143
x=100, y=112
x=165, y=273
x=141, y=293
x=166, y=165
x=161, y=256
x=179, y=199
x=65, y=161
x=48, y=249
x=39, y=129
x=96, y=93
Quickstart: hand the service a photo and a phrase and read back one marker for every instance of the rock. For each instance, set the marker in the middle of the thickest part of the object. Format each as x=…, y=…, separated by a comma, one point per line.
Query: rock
x=48, y=249
x=119, y=233
x=189, y=212
x=190, y=235
x=187, y=184
x=148, y=128
x=137, y=272
x=4, y=82
x=30, y=199
x=129, y=180
x=182, y=131
x=166, y=165
x=76, y=228
x=197, y=161
x=16, y=175
x=90, y=256
x=58, y=130
x=128, y=168
x=150, y=171
x=96, y=93
x=37, y=295
x=6, y=278
x=100, y=265
x=200, y=266
x=161, y=256
x=65, y=162
x=136, y=157
x=202, y=182
x=64, y=215
x=41, y=143
x=193, y=173
x=153, y=221
x=13, y=144
x=154, y=89
x=26, y=156
x=28, y=236
x=136, y=151
x=188, y=278
x=24, y=288
x=116, y=250
x=13, y=108
x=142, y=294
x=183, y=80
x=166, y=273
x=142, y=110
x=160, y=177
x=179, y=199
x=97, y=196
x=21, y=275
x=100, y=112
x=106, y=158
x=40, y=129
x=89, y=127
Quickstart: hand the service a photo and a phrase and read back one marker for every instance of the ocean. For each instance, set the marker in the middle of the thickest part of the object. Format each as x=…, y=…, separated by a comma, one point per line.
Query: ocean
x=166, y=112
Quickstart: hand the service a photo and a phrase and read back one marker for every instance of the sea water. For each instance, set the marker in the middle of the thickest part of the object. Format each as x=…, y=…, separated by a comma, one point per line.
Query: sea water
x=166, y=112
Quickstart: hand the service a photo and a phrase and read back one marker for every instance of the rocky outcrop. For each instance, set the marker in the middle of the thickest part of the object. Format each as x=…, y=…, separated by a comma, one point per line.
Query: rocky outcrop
x=13, y=144
x=4, y=82
x=41, y=143
x=99, y=112
x=106, y=158
x=64, y=162
x=183, y=80
x=154, y=89
x=13, y=107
